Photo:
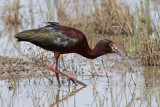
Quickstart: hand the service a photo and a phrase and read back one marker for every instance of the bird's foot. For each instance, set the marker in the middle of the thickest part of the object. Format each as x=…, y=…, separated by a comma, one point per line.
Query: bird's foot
x=68, y=76
x=71, y=78
x=65, y=75
x=74, y=80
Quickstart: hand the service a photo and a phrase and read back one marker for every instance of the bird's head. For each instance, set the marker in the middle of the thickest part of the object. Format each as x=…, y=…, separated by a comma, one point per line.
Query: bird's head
x=110, y=47
x=107, y=46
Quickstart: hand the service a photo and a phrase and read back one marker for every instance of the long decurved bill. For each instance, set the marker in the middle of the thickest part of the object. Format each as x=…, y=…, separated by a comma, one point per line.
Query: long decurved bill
x=119, y=52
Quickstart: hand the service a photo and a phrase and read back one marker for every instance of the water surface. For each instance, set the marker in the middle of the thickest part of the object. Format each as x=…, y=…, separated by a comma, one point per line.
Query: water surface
x=110, y=82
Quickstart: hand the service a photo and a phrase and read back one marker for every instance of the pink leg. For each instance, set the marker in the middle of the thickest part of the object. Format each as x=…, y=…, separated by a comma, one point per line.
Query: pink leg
x=57, y=75
x=63, y=74
x=55, y=70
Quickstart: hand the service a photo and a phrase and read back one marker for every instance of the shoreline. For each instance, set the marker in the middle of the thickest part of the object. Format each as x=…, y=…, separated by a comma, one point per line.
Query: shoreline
x=16, y=67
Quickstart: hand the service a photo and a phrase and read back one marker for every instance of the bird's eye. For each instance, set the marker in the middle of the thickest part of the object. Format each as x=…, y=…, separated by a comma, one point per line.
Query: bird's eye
x=112, y=45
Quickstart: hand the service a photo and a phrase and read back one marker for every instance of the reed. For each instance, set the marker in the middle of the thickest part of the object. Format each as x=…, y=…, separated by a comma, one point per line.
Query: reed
x=112, y=18
x=104, y=17
x=11, y=13
x=146, y=37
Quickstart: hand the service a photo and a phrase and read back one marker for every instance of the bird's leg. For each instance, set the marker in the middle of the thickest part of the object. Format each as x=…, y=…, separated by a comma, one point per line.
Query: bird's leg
x=55, y=70
x=57, y=75
x=63, y=74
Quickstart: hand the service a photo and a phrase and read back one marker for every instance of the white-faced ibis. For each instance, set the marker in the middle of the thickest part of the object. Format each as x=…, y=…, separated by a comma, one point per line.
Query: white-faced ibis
x=62, y=40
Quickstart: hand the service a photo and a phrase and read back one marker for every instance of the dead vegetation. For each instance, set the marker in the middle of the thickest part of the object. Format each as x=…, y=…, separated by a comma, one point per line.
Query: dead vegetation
x=113, y=18
x=10, y=14
x=105, y=16
x=150, y=52
x=17, y=67
x=147, y=36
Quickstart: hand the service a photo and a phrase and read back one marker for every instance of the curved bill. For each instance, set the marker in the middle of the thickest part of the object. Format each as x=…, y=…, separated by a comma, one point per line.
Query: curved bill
x=119, y=52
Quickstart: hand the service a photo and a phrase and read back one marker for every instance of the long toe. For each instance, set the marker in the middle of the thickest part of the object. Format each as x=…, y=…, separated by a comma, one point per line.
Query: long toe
x=71, y=78
x=75, y=80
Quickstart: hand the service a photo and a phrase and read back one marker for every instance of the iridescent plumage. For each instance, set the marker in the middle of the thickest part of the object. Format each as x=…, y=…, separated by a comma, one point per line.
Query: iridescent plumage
x=51, y=37
x=63, y=39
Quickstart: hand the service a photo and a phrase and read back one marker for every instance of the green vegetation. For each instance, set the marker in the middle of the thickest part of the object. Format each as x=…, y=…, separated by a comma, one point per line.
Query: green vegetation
x=146, y=38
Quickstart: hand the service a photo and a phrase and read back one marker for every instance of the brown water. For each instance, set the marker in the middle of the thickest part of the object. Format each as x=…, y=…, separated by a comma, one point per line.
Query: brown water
x=112, y=84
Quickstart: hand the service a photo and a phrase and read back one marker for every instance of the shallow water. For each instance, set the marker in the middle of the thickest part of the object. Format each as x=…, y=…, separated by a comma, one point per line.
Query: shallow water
x=106, y=91
x=111, y=85
x=40, y=10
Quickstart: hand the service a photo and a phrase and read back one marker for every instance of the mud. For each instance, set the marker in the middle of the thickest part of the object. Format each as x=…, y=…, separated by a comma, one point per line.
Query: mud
x=16, y=67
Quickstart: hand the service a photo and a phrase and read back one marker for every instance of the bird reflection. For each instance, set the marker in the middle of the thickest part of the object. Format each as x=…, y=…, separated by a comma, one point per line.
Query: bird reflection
x=70, y=94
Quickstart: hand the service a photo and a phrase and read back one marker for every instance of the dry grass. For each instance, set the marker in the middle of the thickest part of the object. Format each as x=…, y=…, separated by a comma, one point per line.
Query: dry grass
x=150, y=54
x=10, y=13
x=147, y=39
x=106, y=17
x=112, y=18
x=17, y=67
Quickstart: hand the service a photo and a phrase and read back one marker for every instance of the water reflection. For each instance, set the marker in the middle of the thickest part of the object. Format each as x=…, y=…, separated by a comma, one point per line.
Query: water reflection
x=70, y=94
x=33, y=92
x=36, y=14
x=118, y=91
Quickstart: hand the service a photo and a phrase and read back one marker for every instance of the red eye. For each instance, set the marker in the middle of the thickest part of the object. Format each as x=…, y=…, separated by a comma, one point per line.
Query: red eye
x=112, y=45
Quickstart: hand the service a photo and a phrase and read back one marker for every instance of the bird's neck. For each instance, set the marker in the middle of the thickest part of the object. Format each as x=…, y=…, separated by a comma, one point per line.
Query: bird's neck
x=96, y=52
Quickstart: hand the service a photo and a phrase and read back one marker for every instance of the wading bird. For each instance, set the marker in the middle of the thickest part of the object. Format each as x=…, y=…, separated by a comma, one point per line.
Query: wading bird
x=62, y=40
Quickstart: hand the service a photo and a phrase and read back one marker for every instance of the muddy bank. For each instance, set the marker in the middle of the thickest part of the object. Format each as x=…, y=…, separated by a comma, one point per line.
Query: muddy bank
x=16, y=67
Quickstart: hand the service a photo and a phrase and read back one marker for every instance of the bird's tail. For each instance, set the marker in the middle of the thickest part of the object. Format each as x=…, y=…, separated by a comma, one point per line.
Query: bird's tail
x=26, y=35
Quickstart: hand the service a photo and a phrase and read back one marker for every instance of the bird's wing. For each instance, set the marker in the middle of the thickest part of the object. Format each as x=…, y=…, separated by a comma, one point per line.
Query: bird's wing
x=51, y=37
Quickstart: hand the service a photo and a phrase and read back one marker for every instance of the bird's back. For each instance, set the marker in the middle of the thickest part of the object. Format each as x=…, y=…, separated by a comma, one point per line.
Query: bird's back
x=53, y=37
